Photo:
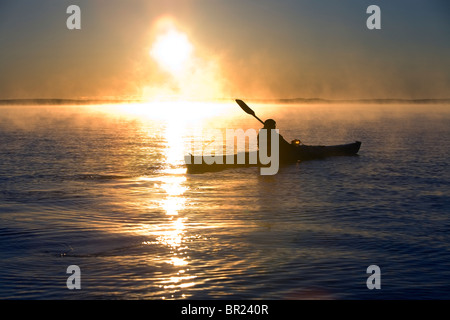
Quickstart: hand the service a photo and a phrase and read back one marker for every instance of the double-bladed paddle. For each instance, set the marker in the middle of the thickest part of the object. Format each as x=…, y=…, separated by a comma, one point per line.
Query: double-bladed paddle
x=247, y=109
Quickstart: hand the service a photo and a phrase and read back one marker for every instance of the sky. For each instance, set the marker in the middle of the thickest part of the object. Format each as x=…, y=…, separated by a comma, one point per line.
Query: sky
x=206, y=49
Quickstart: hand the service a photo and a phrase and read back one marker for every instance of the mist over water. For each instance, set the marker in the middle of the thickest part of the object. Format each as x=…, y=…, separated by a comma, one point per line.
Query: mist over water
x=105, y=188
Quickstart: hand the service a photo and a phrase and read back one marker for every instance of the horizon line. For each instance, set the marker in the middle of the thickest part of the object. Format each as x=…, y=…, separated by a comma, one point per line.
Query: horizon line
x=85, y=101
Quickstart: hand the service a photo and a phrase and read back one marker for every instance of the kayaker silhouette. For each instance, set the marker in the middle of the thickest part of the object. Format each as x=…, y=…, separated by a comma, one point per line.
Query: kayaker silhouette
x=286, y=150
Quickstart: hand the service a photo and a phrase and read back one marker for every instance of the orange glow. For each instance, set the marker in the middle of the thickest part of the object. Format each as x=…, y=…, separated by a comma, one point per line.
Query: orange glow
x=189, y=71
x=176, y=113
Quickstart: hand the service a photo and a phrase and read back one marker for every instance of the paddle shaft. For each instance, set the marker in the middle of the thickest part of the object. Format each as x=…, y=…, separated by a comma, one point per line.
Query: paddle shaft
x=258, y=118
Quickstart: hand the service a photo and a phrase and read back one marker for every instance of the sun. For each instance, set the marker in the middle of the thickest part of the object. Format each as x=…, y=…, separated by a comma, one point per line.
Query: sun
x=179, y=67
x=172, y=51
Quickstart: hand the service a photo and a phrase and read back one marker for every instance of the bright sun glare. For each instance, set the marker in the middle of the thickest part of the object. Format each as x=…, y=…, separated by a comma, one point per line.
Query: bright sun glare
x=172, y=51
x=189, y=71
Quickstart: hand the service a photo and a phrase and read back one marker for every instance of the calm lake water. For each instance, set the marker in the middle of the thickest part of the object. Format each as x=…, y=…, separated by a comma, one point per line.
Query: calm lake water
x=105, y=188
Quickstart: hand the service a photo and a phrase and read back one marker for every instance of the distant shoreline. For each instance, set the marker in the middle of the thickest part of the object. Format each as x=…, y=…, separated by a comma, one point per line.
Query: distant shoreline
x=353, y=101
x=283, y=101
x=63, y=101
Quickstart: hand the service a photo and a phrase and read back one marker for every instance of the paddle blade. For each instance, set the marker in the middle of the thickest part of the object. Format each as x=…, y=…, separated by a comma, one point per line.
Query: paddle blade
x=245, y=107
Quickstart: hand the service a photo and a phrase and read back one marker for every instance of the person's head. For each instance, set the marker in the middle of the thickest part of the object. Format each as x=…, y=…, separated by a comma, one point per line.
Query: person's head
x=270, y=124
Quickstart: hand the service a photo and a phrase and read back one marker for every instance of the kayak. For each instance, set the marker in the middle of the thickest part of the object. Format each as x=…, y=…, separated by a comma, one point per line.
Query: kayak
x=201, y=164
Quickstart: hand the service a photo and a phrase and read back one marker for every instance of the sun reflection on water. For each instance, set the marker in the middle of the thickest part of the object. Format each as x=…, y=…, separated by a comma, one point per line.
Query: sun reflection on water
x=168, y=226
x=172, y=235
